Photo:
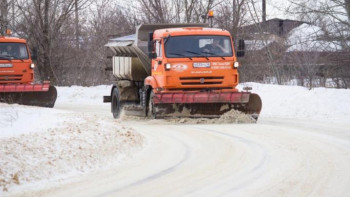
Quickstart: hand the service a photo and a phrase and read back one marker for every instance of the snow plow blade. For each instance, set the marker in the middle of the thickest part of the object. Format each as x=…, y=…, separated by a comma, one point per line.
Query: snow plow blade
x=204, y=104
x=42, y=95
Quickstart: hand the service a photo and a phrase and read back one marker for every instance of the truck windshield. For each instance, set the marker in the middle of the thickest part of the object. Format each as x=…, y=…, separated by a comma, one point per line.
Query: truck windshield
x=198, y=46
x=13, y=51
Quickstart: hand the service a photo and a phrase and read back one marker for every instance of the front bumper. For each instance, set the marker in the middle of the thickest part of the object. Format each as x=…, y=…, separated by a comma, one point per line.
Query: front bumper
x=202, y=97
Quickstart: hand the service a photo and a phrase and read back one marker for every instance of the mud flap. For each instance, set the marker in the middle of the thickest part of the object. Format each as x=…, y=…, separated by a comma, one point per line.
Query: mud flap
x=41, y=99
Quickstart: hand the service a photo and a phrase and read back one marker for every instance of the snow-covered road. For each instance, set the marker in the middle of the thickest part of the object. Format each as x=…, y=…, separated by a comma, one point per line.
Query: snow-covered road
x=275, y=157
x=271, y=158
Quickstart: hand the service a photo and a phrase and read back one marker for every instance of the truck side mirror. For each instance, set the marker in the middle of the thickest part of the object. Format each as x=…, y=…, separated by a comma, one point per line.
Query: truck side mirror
x=150, y=49
x=241, y=48
x=34, y=54
x=152, y=55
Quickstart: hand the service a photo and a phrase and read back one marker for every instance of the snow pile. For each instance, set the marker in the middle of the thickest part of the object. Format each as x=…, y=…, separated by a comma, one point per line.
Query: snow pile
x=322, y=104
x=17, y=119
x=232, y=116
x=39, y=144
x=78, y=147
x=82, y=95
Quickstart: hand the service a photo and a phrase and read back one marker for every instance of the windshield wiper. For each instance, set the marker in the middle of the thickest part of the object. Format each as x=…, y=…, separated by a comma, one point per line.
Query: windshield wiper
x=179, y=54
x=210, y=53
x=193, y=52
x=6, y=57
x=10, y=57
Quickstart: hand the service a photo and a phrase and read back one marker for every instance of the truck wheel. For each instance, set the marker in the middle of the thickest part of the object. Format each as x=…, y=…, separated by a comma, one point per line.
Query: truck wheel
x=117, y=106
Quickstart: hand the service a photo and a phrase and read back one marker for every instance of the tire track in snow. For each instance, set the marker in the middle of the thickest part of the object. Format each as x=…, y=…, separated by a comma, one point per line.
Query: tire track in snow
x=154, y=176
x=252, y=173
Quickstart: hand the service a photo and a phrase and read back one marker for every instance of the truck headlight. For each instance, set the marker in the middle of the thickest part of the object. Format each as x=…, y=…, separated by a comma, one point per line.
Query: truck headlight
x=236, y=65
x=167, y=66
x=32, y=66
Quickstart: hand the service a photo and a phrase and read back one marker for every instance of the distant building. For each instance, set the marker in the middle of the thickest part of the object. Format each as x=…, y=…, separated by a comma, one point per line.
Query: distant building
x=294, y=50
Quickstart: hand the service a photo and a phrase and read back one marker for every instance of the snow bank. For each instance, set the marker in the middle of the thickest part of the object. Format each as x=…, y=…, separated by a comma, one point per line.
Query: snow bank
x=16, y=119
x=83, y=95
x=321, y=104
x=40, y=144
x=79, y=147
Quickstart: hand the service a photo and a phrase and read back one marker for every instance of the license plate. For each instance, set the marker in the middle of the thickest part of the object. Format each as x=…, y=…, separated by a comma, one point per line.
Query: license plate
x=201, y=65
x=5, y=65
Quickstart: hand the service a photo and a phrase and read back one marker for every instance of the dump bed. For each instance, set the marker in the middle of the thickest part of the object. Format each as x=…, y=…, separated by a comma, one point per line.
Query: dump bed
x=130, y=53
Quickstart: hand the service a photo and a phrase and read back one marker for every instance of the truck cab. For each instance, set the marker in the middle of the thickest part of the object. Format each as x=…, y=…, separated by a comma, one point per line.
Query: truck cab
x=15, y=62
x=192, y=58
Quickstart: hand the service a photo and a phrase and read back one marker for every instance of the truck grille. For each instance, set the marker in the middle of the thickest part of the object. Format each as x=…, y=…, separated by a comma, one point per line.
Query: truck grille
x=201, y=80
x=7, y=78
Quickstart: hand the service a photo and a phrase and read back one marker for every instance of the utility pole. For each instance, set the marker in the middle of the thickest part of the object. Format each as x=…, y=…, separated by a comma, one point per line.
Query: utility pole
x=264, y=10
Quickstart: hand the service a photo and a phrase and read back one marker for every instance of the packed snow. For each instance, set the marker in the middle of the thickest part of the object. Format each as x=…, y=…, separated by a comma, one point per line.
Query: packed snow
x=39, y=144
x=82, y=95
x=320, y=104
x=16, y=119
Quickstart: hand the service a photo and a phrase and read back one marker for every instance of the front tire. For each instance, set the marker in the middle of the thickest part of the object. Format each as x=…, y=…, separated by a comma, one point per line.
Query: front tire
x=117, y=106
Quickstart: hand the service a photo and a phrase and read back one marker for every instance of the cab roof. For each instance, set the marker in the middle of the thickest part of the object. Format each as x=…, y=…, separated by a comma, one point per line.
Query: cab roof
x=12, y=39
x=185, y=31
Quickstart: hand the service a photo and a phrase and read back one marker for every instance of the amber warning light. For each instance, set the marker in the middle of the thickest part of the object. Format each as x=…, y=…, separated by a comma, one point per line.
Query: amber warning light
x=211, y=13
x=8, y=32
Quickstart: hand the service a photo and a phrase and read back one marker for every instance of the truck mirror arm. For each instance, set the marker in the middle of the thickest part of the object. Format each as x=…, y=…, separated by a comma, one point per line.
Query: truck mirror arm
x=34, y=54
x=241, y=48
x=152, y=55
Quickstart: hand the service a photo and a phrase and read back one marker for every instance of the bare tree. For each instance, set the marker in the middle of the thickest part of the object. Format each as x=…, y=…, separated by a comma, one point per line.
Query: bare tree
x=43, y=20
x=157, y=11
x=231, y=15
x=332, y=15
x=166, y=11
x=255, y=15
x=3, y=16
x=77, y=30
x=334, y=18
x=86, y=65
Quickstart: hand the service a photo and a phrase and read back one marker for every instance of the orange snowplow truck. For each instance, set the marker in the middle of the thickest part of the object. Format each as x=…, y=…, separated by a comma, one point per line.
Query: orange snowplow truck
x=185, y=70
x=17, y=75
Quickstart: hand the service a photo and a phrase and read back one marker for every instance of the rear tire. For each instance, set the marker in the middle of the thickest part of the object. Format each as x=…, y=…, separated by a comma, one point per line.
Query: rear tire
x=117, y=106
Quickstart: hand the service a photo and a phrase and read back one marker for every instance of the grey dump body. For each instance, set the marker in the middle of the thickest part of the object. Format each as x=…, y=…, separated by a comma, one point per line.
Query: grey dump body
x=130, y=53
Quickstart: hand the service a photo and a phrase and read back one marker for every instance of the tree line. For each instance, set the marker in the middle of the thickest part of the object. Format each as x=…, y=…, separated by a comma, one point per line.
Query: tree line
x=69, y=35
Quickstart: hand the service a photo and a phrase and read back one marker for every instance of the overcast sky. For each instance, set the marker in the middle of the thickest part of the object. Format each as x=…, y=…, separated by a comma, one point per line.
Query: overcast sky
x=276, y=9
